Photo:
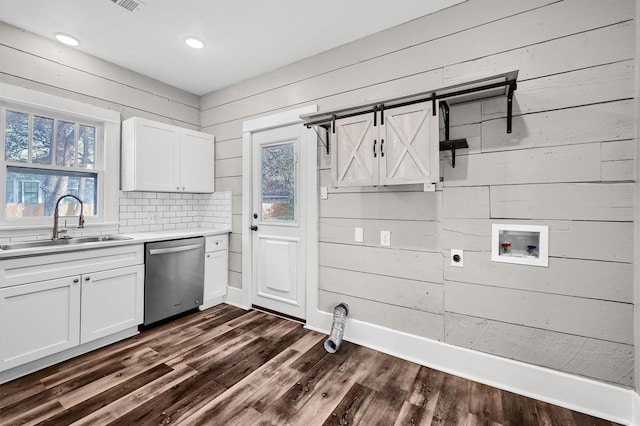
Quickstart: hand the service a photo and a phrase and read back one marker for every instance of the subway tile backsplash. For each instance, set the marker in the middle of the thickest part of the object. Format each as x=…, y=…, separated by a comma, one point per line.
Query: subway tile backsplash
x=144, y=212
x=162, y=211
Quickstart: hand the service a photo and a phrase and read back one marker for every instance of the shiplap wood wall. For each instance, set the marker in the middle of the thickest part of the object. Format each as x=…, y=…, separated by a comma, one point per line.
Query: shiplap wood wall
x=569, y=164
x=33, y=62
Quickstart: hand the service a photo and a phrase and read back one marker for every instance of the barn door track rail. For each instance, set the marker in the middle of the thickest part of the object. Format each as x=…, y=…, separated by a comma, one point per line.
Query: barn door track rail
x=503, y=84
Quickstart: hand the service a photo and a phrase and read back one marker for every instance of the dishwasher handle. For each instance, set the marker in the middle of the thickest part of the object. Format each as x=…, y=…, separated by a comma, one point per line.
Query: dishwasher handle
x=175, y=249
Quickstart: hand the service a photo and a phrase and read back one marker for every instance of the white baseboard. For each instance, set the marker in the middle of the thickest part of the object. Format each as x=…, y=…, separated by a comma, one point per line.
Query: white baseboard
x=237, y=297
x=39, y=364
x=212, y=302
x=595, y=398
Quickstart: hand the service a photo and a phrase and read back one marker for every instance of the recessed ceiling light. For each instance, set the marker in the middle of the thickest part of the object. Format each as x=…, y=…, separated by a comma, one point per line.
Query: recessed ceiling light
x=67, y=39
x=194, y=42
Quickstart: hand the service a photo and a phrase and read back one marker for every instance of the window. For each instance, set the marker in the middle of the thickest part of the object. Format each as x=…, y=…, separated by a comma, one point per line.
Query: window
x=278, y=182
x=51, y=147
x=47, y=158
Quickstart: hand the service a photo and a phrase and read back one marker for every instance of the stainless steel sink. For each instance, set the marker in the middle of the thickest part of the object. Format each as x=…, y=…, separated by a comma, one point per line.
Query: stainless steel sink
x=63, y=242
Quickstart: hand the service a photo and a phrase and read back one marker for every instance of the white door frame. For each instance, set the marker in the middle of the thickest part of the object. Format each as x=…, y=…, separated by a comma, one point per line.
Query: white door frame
x=242, y=297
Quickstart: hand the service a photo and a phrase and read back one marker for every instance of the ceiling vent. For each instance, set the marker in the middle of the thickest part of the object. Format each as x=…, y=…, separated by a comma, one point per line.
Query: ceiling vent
x=130, y=5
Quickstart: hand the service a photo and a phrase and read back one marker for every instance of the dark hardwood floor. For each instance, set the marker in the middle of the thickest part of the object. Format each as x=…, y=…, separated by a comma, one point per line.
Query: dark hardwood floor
x=226, y=366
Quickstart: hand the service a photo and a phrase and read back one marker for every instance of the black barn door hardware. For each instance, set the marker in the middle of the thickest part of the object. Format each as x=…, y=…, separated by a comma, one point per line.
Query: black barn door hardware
x=447, y=144
x=445, y=117
x=503, y=84
x=452, y=146
x=512, y=87
x=326, y=129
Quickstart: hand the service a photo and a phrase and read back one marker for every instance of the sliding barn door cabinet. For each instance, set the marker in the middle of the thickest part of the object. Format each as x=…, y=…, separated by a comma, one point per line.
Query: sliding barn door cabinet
x=387, y=147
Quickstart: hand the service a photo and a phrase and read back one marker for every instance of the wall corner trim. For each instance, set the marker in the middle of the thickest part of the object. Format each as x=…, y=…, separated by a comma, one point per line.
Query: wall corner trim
x=596, y=398
x=635, y=409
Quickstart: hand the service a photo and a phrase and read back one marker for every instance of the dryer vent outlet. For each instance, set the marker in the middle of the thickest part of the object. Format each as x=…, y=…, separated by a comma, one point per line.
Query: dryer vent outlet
x=340, y=312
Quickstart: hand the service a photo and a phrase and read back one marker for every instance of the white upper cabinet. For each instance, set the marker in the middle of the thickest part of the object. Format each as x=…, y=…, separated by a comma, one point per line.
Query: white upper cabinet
x=196, y=161
x=398, y=146
x=164, y=158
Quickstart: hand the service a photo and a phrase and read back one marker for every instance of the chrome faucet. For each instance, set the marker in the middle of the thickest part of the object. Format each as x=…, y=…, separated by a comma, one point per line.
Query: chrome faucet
x=55, y=215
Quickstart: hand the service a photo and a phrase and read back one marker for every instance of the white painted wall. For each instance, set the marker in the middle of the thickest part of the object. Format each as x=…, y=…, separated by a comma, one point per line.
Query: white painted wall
x=568, y=164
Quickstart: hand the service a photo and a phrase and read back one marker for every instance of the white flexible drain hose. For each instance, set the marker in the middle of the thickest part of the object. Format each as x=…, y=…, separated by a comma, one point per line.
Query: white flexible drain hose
x=340, y=312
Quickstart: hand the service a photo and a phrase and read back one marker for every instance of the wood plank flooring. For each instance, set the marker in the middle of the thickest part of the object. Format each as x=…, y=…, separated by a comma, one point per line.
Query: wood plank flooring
x=227, y=366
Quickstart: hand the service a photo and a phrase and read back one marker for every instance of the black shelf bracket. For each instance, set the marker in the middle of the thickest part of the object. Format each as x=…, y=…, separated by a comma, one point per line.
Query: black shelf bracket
x=445, y=116
x=326, y=129
x=512, y=87
x=452, y=145
x=447, y=144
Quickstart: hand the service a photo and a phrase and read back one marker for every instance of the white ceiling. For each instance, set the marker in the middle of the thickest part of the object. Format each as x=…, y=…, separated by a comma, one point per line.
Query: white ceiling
x=244, y=38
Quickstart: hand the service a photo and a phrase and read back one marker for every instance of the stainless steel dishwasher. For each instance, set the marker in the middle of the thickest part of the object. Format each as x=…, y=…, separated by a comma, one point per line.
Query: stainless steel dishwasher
x=174, y=278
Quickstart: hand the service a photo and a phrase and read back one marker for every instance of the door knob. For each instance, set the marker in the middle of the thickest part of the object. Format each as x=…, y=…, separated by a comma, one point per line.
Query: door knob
x=254, y=227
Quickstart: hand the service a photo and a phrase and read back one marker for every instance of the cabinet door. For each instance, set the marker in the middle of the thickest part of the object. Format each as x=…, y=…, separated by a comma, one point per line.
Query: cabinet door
x=112, y=301
x=353, y=160
x=216, y=273
x=197, y=158
x=410, y=146
x=156, y=156
x=38, y=320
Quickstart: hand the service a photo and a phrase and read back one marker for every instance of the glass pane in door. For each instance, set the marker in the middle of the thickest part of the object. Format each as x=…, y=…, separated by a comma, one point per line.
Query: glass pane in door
x=278, y=192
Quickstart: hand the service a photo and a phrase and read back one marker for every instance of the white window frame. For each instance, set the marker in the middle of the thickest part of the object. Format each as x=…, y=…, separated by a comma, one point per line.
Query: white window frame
x=107, y=151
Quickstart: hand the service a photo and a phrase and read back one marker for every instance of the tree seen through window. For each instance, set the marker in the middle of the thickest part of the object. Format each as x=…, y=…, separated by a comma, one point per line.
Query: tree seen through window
x=46, y=158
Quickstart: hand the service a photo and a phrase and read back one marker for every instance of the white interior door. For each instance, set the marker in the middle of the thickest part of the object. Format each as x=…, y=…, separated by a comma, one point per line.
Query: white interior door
x=278, y=220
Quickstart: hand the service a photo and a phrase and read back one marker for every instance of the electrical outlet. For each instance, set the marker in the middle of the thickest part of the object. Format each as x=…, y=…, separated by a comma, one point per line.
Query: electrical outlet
x=457, y=258
x=385, y=238
x=359, y=235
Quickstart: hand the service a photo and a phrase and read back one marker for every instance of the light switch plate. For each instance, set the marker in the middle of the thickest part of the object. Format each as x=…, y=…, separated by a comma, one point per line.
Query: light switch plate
x=359, y=235
x=324, y=193
x=385, y=238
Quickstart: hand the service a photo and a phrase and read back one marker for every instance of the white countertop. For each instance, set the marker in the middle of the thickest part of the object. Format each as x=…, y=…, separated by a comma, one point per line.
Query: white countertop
x=133, y=238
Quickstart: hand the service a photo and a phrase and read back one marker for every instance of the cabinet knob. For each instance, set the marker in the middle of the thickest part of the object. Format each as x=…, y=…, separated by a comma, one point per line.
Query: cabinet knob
x=183, y=188
x=208, y=255
x=87, y=278
x=76, y=280
x=177, y=187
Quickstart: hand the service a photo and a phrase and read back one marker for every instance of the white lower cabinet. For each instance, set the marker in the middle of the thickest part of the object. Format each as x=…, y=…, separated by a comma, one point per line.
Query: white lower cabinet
x=216, y=269
x=90, y=295
x=111, y=301
x=38, y=320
